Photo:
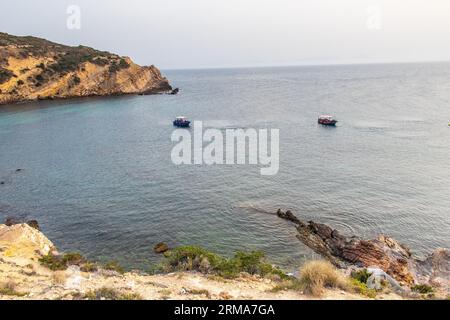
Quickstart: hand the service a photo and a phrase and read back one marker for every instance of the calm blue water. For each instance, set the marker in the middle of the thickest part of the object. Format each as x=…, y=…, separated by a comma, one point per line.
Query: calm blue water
x=97, y=173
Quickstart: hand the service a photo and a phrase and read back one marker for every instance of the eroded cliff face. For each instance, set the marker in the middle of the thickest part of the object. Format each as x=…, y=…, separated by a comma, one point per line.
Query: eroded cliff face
x=34, y=69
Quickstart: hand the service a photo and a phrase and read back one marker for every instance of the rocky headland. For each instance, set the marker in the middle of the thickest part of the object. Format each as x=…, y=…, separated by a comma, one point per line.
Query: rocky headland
x=35, y=69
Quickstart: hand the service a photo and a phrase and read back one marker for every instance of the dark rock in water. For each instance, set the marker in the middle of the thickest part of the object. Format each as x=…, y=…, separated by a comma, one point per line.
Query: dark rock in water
x=34, y=224
x=2, y=182
x=384, y=252
x=288, y=215
x=161, y=247
x=174, y=91
x=9, y=221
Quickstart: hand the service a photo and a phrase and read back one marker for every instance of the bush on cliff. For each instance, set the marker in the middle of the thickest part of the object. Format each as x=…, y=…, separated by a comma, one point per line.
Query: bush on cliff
x=193, y=258
x=114, y=266
x=359, y=283
x=362, y=289
x=422, y=288
x=249, y=262
x=53, y=262
x=5, y=75
x=61, y=262
x=361, y=275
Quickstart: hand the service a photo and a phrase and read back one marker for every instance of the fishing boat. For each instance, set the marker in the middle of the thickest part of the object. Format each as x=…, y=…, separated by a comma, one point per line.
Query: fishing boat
x=327, y=120
x=181, y=122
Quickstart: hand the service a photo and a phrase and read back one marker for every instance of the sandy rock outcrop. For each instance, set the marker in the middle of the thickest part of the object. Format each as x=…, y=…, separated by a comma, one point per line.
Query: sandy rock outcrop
x=22, y=243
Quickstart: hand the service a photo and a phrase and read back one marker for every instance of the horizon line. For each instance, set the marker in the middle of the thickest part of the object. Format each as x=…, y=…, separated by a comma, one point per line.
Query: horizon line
x=305, y=65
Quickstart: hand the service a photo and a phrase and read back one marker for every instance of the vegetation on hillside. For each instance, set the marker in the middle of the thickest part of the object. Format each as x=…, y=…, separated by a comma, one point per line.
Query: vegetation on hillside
x=61, y=262
x=193, y=258
x=66, y=58
x=5, y=75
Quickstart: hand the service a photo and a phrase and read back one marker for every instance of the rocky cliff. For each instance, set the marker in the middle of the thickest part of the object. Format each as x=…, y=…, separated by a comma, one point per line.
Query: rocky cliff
x=383, y=252
x=32, y=69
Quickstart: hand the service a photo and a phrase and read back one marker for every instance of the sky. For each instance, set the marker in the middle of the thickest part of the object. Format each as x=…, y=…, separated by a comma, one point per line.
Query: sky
x=178, y=34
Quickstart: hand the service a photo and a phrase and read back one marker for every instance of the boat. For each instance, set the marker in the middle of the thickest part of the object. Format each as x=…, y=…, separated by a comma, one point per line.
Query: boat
x=181, y=122
x=327, y=120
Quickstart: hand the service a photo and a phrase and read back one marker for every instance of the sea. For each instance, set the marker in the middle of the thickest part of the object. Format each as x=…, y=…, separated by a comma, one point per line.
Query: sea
x=98, y=176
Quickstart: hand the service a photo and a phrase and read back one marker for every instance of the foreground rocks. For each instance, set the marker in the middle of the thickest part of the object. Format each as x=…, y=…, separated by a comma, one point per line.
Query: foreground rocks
x=12, y=221
x=22, y=276
x=384, y=252
x=23, y=243
x=161, y=247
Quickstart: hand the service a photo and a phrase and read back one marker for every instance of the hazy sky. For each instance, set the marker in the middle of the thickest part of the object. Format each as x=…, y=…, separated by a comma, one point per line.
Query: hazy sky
x=226, y=33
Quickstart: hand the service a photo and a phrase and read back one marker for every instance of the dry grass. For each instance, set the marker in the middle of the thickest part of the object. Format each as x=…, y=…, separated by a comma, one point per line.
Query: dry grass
x=111, y=294
x=200, y=292
x=59, y=277
x=8, y=288
x=317, y=275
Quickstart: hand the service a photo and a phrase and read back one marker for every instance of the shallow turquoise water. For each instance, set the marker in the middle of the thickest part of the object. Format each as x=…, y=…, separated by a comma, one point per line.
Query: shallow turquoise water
x=97, y=173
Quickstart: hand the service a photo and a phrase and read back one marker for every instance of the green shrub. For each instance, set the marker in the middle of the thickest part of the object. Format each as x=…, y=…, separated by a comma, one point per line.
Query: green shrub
x=75, y=80
x=73, y=258
x=362, y=289
x=359, y=283
x=422, y=288
x=53, y=262
x=250, y=262
x=5, y=75
x=89, y=267
x=193, y=258
x=123, y=64
x=187, y=258
x=114, y=66
x=100, y=61
x=114, y=266
x=361, y=275
x=61, y=262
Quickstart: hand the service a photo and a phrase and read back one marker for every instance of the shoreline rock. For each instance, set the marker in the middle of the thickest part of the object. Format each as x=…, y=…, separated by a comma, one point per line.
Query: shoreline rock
x=383, y=252
x=10, y=221
x=161, y=247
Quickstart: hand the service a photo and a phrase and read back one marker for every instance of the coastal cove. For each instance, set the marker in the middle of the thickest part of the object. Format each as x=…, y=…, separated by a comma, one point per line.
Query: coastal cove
x=97, y=174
